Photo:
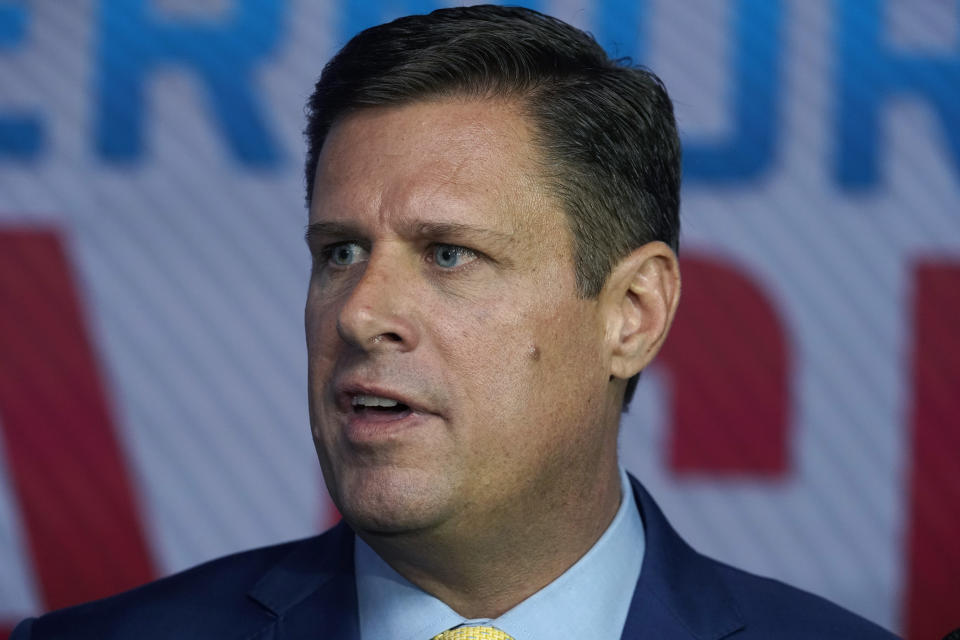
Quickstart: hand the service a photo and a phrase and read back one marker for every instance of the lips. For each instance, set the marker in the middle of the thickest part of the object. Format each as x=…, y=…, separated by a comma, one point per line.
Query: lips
x=378, y=408
x=373, y=411
x=381, y=415
x=356, y=396
x=363, y=401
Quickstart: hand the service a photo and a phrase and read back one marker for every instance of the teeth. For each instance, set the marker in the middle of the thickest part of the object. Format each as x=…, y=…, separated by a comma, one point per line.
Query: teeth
x=373, y=401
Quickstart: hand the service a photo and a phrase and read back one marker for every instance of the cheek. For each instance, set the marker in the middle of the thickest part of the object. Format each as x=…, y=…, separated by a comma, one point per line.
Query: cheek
x=563, y=359
x=320, y=326
x=312, y=315
x=526, y=363
x=322, y=342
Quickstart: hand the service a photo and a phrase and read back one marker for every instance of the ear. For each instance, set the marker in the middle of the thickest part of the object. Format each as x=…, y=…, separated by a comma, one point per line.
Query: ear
x=639, y=300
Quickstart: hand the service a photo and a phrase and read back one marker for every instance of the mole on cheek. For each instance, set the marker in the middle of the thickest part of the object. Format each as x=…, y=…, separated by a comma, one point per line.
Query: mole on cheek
x=534, y=352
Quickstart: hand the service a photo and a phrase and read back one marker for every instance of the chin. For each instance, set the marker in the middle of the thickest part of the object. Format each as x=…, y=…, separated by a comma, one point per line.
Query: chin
x=391, y=502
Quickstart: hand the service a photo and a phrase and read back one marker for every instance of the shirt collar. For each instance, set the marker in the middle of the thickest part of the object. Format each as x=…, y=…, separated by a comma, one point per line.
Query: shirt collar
x=589, y=600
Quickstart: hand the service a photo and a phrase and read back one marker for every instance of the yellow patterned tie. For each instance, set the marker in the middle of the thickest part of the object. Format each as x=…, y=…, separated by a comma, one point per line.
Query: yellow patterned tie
x=473, y=633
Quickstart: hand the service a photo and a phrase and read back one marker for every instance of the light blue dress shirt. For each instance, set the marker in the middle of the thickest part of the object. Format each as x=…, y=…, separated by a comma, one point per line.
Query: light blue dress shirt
x=589, y=600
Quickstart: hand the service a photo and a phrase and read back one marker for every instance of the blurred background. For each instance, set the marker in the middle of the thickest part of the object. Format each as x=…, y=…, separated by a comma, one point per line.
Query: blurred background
x=803, y=421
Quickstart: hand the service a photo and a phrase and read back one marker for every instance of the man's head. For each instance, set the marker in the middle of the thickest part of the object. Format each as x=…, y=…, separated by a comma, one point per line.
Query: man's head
x=468, y=352
x=607, y=140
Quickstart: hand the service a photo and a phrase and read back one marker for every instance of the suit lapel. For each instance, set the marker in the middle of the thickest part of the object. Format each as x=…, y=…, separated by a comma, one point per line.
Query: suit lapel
x=312, y=592
x=680, y=593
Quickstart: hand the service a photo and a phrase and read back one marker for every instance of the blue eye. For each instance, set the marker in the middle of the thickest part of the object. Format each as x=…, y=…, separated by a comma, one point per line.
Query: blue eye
x=345, y=253
x=450, y=255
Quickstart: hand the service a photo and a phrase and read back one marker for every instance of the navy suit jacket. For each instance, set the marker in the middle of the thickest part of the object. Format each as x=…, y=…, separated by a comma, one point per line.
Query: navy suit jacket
x=305, y=589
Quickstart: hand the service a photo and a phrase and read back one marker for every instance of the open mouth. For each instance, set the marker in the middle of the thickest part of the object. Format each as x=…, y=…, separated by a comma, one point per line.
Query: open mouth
x=378, y=407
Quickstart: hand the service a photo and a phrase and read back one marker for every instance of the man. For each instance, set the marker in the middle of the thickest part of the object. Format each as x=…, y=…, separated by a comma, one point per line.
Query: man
x=493, y=225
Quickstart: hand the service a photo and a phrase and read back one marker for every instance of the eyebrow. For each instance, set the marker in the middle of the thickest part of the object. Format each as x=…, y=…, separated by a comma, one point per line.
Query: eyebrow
x=330, y=230
x=447, y=231
x=457, y=230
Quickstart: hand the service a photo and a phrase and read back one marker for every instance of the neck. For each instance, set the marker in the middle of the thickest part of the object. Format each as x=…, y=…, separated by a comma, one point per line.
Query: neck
x=482, y=572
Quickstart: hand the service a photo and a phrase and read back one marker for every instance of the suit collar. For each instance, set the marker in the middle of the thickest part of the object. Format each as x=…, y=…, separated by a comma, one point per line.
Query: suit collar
x=680, y=592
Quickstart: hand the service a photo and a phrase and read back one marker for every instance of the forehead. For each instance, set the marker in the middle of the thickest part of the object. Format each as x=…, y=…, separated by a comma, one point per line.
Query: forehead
x=450, y=158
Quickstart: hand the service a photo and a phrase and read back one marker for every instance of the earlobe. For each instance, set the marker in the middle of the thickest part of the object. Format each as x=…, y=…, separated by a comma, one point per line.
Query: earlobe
x=640, y=298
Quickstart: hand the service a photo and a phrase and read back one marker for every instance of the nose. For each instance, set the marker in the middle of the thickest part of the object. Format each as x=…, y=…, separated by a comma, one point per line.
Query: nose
x=379, y=313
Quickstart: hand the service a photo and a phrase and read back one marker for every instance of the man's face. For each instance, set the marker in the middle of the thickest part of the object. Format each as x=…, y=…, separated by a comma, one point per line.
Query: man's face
x=454, y=374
